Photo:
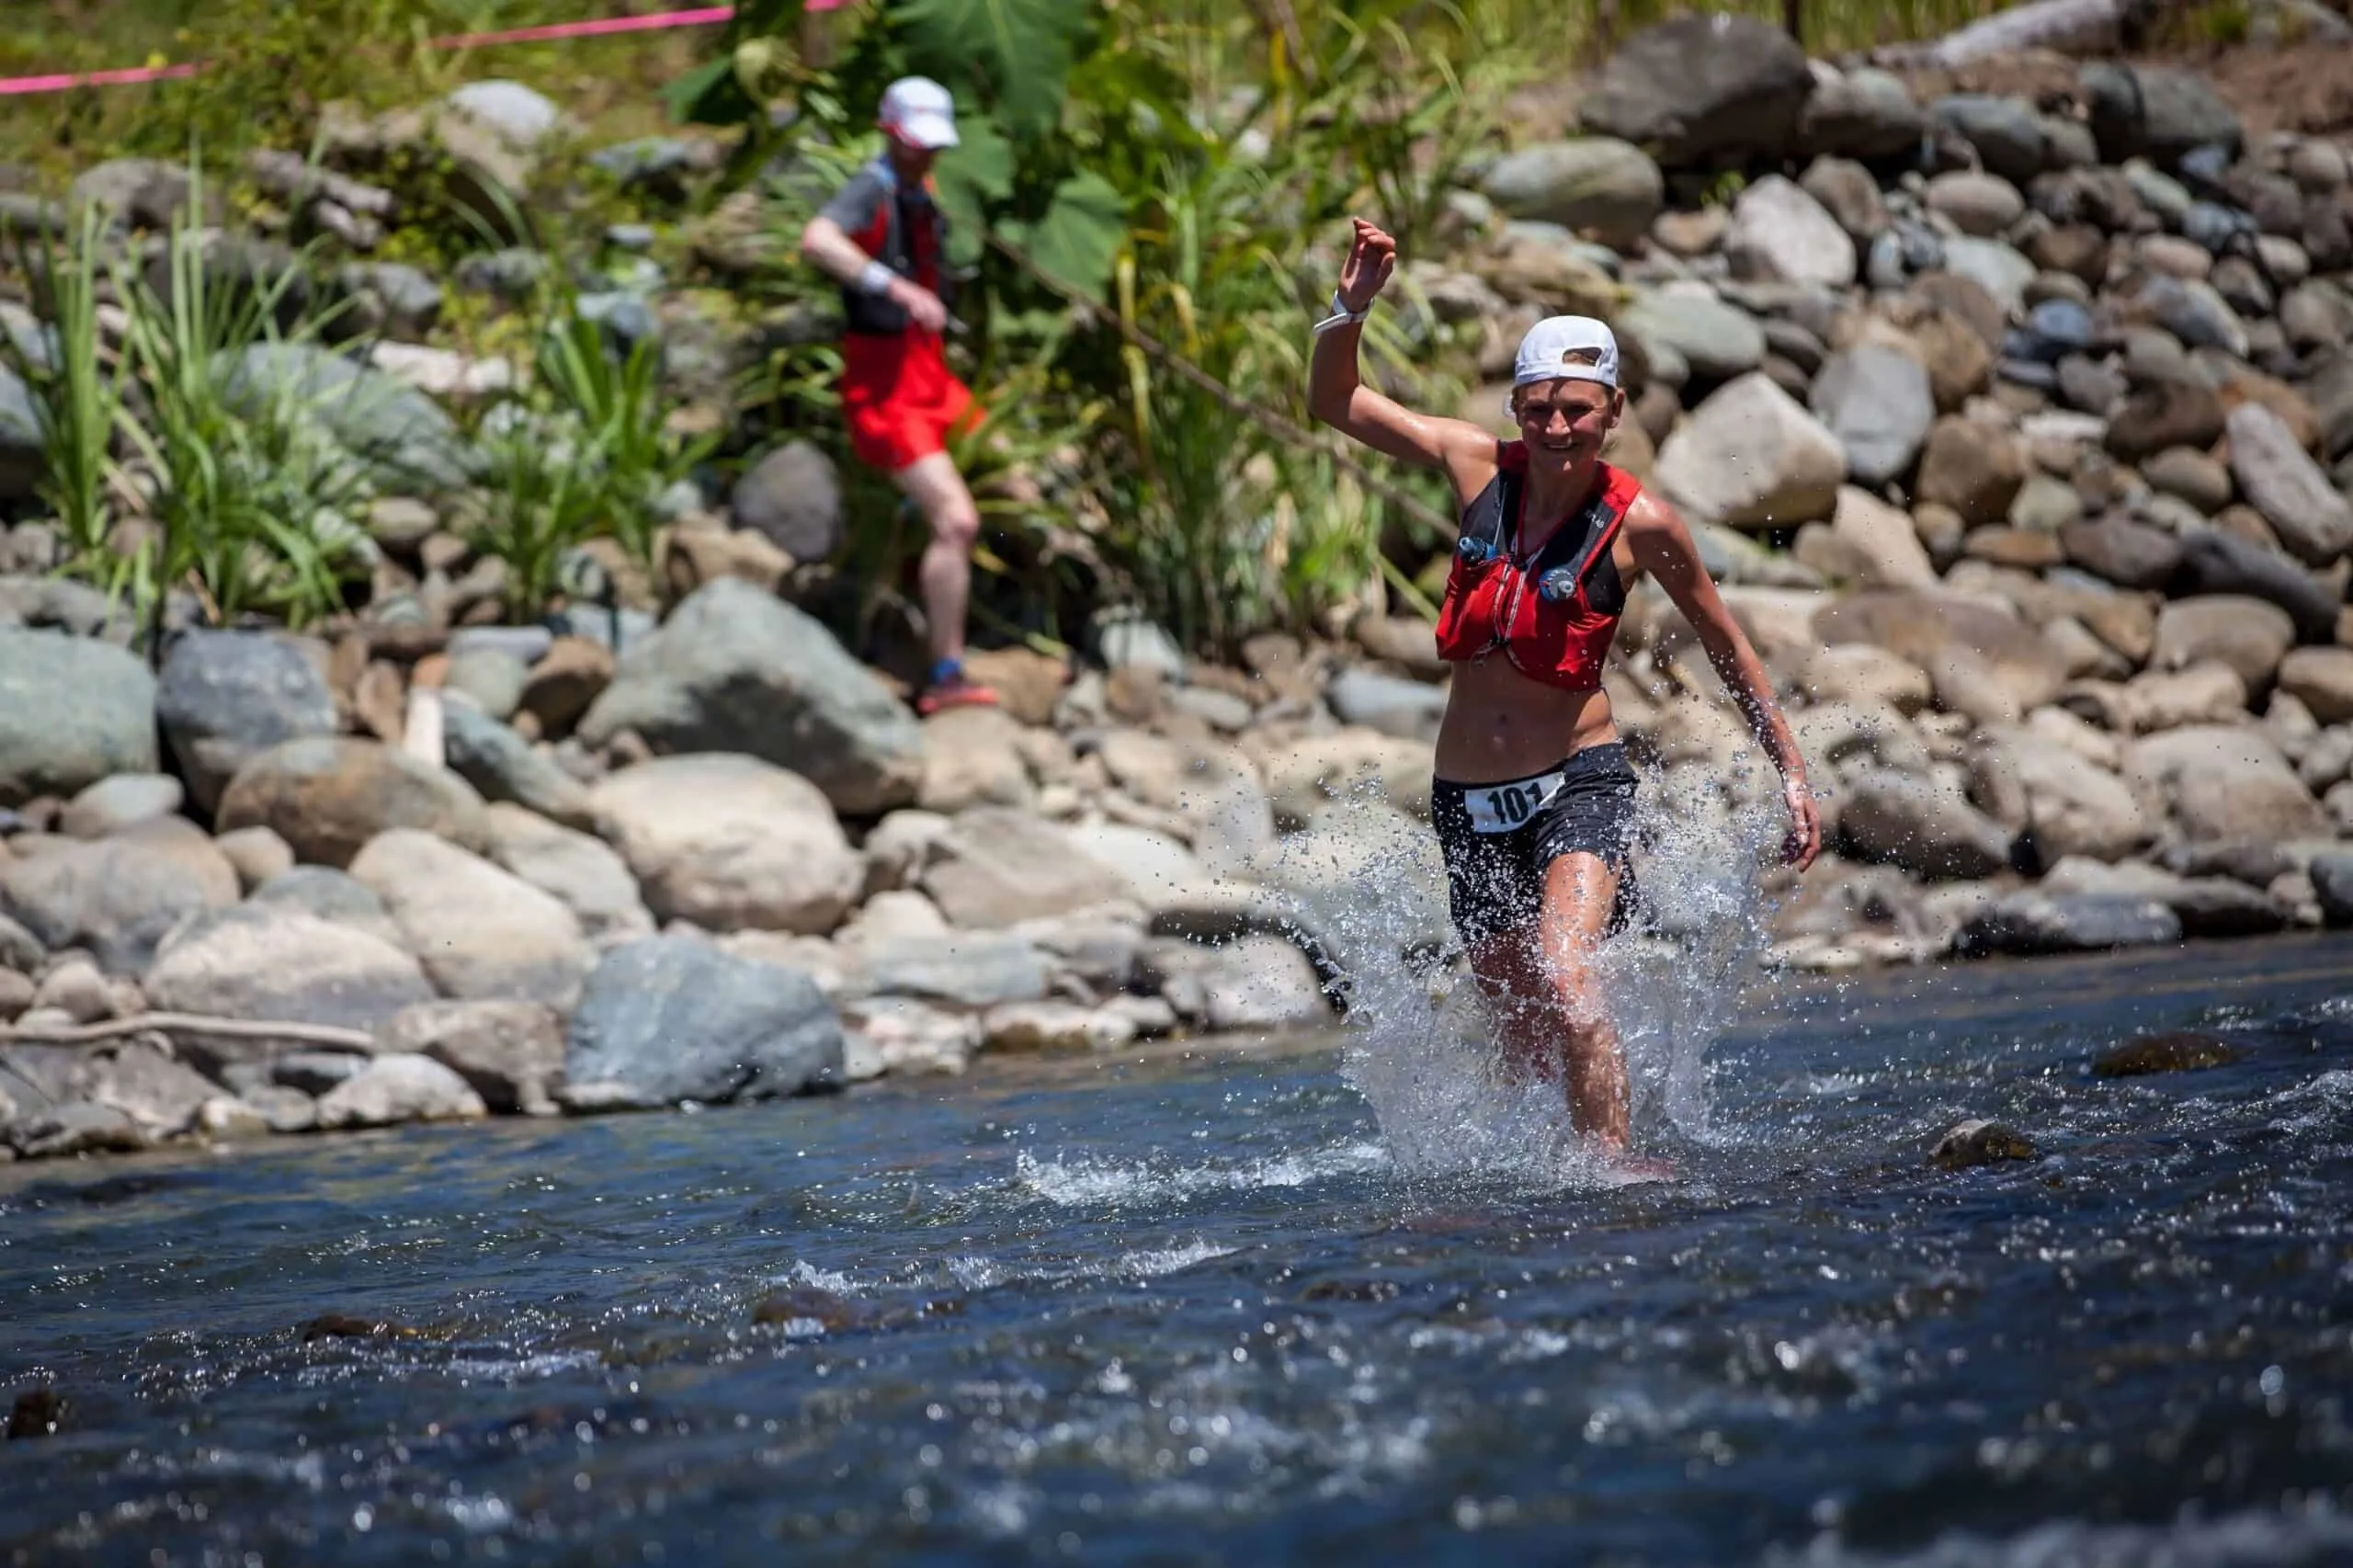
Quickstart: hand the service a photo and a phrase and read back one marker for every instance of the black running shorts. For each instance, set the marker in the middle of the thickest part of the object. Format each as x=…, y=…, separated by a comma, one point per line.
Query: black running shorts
x=1498, y=839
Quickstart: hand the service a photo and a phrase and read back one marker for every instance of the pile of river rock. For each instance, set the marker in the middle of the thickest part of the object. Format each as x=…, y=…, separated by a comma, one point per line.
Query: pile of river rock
x=2008, y=423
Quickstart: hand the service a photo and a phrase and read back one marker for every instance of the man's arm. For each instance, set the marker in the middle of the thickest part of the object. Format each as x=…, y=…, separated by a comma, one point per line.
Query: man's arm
x=825, y=244
x=1663, y=547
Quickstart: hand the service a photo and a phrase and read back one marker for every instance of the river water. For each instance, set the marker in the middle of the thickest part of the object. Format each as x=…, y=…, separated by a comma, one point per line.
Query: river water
x=1193, y=1308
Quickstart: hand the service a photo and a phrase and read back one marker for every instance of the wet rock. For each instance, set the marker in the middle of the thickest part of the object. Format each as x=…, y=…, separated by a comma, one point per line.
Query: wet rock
x=116, y=897
x=2206, y=906
x=2248, y=635
x=672, y=1018
x=37, y=1413
x=2182, y=1051
x=738, y=670
x=2027, y=922
x=805, y=1310
x=994, y=866
x=731, y=843
x=316, y=1071
x=582, y=872
x=481, y=933
x=503, y=766
x=512, y=1052
x=73, y=711
x=1879, y=404
x=1054, y=1026
x=75, y=1128
x=393, y=1089
x=257, y=961
x=1779, y=233
x=1596, y=186
x=343, y=1326
x=1695, y=87
x=1924, y=825
x=900, y=1035
x=1980, y=1143
x=1751, y=456
x=328, y=796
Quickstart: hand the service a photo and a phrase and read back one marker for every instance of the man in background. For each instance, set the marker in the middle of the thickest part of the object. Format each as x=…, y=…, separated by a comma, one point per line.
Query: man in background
x=883, y=239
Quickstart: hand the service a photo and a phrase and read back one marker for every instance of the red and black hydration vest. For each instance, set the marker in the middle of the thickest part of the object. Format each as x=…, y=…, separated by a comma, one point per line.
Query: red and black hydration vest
x=904, y=229
x=1553, y=613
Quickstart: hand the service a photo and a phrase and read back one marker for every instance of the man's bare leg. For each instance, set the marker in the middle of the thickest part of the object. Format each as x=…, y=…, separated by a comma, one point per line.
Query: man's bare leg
x=945, y=572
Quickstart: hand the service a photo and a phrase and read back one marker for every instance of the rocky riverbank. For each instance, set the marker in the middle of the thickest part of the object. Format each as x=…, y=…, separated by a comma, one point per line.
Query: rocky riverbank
x=2018, y=423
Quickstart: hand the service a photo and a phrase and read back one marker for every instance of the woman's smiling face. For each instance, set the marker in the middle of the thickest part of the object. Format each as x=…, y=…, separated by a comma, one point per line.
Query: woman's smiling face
x=1568, y=418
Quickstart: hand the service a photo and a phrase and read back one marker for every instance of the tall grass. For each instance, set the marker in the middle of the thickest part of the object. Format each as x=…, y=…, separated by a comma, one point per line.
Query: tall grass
x=75, y=383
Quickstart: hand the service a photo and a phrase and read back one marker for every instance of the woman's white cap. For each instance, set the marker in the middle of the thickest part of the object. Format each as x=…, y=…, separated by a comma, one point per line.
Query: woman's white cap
x=1576, y=348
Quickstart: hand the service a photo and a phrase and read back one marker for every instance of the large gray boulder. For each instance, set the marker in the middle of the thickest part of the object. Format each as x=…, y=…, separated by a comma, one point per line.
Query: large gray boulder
x=283, y=964
x=403, y=437
x=735, y=669
x=226, y=696
x=2027, y=921
x=731, y=843
x=1696, y=86
x=72, y=711
x=1752, y=457
x=672, y=1018
x=482, y=933
x=583, y=873
x=116, y=897
x=1598, y=187
x=329, y=795
x=2292, y=491
x=1880, y=403
x=995, y=866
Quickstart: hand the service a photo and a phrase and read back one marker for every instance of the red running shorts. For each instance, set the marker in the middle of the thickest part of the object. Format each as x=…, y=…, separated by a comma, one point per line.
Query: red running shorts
x=900, y=399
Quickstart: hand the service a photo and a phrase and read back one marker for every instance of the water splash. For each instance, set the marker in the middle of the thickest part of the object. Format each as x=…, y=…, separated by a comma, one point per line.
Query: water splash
x=1420, y=1049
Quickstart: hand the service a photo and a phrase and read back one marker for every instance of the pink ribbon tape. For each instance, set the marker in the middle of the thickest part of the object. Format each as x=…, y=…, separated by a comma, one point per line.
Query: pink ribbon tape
x=22, y=87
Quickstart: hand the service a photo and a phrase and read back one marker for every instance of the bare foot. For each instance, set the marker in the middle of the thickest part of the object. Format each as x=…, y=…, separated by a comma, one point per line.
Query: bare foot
x=1622, y=1167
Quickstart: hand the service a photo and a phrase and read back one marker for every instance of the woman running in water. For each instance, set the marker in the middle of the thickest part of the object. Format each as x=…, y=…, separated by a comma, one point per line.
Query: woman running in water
x=1534, y=800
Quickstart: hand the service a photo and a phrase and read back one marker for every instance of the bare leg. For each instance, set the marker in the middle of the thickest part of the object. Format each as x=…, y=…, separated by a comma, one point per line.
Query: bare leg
x=947, y=568
x=1579, y=892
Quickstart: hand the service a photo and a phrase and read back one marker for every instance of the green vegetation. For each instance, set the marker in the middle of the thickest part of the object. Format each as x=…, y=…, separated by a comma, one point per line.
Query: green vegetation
x=1146, y=207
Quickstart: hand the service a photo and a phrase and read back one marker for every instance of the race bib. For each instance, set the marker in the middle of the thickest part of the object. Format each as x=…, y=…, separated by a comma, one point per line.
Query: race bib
x=1499, y=808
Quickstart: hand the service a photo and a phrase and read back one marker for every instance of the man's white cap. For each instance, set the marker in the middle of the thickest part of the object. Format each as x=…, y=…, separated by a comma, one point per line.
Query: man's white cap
x=918, y=112
x=1575, y=349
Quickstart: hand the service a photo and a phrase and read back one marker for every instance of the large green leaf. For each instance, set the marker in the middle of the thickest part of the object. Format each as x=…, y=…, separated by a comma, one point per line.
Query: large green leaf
x=978, y=172
x=1014, y=55
x=1080, y=236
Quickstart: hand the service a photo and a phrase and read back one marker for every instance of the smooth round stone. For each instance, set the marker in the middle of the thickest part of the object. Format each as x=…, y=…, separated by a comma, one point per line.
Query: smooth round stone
x=2175, y=256
x=2215, y=226
x=2158, y=191
x=2317, y=165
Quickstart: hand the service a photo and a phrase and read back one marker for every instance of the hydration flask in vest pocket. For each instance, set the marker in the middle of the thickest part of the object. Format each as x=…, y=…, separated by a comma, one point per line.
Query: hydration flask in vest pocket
x=1557, y=586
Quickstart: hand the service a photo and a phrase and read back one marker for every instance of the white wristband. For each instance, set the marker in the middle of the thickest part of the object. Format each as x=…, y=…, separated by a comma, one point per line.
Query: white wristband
x=876, y=277
x=1340, y=315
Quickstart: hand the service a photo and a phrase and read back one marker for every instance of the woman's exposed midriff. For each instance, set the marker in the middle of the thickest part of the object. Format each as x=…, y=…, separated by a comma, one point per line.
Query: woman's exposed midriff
x=1499, y=724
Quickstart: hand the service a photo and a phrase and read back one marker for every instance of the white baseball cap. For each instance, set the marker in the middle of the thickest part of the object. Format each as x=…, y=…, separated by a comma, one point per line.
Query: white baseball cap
x=1573, y=349
x=917, y=110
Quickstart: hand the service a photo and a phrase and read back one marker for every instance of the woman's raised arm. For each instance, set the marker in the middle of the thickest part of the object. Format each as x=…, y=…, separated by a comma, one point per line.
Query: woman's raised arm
x=1338, y=396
